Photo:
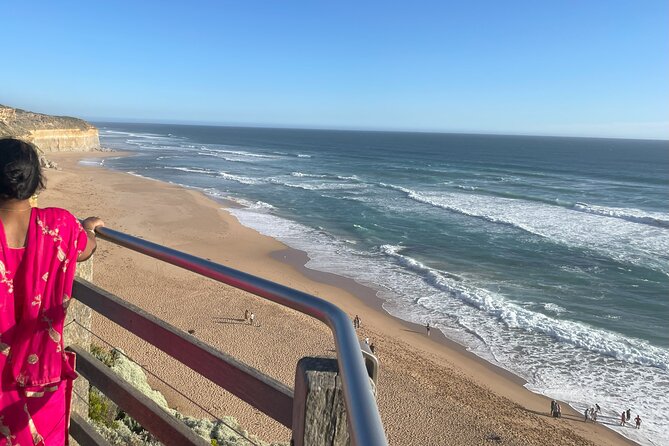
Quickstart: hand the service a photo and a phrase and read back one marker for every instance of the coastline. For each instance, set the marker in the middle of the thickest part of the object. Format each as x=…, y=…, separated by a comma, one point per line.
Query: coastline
x=426, y=380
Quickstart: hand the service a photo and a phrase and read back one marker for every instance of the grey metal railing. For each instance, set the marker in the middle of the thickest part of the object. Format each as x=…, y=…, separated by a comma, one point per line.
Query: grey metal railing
x=364, y=421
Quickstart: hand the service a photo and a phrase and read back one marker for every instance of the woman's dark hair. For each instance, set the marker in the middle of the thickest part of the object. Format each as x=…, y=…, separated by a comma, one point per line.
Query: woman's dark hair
x=20, y=171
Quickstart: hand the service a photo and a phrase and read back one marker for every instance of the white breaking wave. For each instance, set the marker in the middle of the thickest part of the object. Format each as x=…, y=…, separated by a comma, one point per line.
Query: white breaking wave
x=630, y=214
x=191, y=170
x=242, y=153
x=240, y=179
x=301, y=155
x=307, y=175
x=514, y=316
x=323, y=186
x=618, y=239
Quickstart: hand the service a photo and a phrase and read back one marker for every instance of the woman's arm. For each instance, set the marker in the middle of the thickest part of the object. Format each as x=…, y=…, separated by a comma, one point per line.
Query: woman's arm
x=89, y=225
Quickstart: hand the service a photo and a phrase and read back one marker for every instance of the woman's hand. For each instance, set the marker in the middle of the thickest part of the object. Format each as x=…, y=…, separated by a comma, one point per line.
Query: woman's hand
x=90, y=224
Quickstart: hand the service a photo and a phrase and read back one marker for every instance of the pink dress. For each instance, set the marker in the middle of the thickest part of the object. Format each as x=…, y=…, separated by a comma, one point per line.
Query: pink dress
x=35, y=288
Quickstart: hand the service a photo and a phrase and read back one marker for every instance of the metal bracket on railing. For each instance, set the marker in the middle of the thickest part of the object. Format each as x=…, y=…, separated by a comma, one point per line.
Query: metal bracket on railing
x=371, y=361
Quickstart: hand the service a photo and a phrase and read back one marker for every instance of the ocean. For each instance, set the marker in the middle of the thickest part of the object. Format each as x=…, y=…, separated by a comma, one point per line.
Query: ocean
x=546, y=256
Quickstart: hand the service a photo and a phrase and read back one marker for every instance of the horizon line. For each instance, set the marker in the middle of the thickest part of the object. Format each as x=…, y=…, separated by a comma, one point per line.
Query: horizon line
x=353, y=129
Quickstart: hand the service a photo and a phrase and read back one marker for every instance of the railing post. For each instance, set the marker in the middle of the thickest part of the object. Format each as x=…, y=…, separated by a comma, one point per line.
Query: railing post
x=319, y=411
x=76, y=335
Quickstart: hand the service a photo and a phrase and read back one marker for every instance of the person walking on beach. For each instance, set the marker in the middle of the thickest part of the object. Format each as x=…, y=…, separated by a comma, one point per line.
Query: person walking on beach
x=427, y=328
x=629, y=414
x=559, y=410
x=622, y=419
x=356, y=322
x=638, y=421
x=252, y=318
x=372, y=347
x=246, y=315
x=553, y=411
x=39, y=250
x=587, y=414
x=598, y=409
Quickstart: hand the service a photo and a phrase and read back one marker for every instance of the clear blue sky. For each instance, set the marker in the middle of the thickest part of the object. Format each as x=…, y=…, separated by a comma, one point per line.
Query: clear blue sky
x=596, y=68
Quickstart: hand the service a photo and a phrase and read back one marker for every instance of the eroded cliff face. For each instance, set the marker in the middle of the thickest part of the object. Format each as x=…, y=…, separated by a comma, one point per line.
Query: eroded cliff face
x=49, y=133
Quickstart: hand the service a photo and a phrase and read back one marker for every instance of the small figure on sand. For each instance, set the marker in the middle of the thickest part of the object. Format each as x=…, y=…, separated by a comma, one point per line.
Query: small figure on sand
x=558, y=409
x=593, y=414
x=629, y=414
x=356, y=322
x=597, y=408
x=555, y=409
x=372, y=347
x=622, y=419
x=587, y=414
x=638, y=421
x=252, y=318
x=246, y=315
x=427, y=328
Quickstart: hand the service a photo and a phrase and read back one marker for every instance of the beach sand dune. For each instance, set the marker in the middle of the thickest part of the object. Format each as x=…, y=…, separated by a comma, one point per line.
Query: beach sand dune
x=430, y=391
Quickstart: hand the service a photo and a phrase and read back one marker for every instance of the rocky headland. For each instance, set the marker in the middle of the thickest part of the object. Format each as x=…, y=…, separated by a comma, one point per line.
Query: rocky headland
x=49, y=133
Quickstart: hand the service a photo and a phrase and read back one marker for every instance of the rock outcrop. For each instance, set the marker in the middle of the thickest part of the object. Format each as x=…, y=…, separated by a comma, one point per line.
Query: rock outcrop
x=49, y=133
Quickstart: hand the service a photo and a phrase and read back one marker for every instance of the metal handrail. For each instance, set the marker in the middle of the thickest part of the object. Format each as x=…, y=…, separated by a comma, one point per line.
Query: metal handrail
x=364, y=421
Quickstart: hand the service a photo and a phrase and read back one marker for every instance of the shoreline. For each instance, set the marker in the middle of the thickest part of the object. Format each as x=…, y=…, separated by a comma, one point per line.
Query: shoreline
x=356, y=298
x=369, y=296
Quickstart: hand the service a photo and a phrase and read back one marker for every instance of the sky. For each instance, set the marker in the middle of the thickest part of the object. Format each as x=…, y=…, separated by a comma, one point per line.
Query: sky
x=582, y=68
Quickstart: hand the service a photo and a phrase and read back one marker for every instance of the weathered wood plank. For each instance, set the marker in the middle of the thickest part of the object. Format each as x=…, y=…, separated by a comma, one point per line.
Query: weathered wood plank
x=84, y=433
x=165, y=427
x=259, y=390
x=319, y=412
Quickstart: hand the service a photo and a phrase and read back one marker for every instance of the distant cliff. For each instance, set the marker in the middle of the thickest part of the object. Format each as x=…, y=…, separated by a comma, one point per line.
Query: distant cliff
x=49, y=133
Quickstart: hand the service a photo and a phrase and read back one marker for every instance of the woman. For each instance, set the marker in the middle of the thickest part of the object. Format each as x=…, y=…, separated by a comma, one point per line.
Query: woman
x=39, y=249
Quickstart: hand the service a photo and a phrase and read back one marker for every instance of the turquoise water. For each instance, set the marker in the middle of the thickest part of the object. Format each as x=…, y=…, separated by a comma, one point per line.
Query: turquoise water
x=547, y=256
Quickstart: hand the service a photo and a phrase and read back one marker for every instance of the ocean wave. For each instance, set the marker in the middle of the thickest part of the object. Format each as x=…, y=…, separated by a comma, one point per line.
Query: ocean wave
x=623, y=241
x=307, y=175
x=322, y=186
x=303, y=155
x=254, y=205
x=191, y=170
x=241, y=153
x=629, y=214
x=239, y=179
x=634, y=351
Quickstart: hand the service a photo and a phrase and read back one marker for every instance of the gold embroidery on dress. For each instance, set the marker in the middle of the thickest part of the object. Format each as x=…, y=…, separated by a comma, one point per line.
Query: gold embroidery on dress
x=21, y=379
x=5, y=279
x=52, y=232
x=53, y=334
x=32, y=359
x=66, y=301
x=5, y=432
x=4, y=348
x=37, y=438
x=45, y=277
x=33, y=394
x=37, y=300
x=61, y=254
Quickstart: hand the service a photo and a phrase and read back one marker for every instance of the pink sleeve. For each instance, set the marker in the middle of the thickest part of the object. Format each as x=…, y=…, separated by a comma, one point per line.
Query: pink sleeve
x=79, y=237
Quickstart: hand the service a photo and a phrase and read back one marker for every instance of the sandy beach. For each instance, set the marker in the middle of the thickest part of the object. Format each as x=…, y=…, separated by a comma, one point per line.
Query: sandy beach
x=430, y=390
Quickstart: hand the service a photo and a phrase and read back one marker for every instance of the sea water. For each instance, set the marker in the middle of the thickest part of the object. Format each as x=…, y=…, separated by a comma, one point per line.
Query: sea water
x=546, y=256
